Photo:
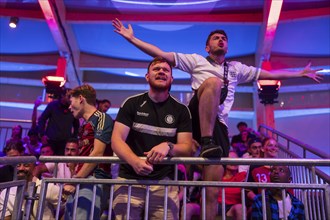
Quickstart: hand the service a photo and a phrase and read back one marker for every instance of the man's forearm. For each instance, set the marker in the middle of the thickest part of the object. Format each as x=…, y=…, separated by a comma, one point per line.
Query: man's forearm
x=152, y=50
x=85, y=170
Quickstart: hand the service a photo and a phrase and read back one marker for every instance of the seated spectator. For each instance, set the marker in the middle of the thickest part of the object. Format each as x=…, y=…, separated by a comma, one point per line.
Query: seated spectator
x=46, y=150
x=233, y=198
x=239, y=141
x=33, y=145
x=24, y=172
x=103, y=105
x=242, y=147
x=13, y=148
x=16, y=133
x=261, y=174
x=274, y=203
x=254, y=151
x=64, y=170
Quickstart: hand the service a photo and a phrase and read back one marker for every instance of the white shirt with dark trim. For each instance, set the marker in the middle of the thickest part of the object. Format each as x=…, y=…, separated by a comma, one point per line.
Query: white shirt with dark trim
x=201, y=69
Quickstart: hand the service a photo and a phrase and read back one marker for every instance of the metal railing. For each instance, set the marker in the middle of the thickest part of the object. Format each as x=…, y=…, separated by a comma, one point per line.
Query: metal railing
x=314, y=195
x=290, y=142
x=286, y=143
x=307, y=191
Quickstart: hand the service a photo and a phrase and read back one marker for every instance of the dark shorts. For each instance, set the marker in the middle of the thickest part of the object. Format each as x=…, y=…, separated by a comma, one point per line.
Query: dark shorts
x=220, y=132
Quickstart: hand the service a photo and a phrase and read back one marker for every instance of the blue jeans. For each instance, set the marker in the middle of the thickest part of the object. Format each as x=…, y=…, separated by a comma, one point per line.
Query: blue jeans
x=84, y=206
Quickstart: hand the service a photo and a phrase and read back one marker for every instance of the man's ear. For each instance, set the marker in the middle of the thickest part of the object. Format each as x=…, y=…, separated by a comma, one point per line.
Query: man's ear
x=81, y=99
x=147, y=77
x=207, y=48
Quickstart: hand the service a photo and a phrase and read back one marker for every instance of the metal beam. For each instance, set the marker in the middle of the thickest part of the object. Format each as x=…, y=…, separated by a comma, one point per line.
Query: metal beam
x=54, y=12
x=272, y=10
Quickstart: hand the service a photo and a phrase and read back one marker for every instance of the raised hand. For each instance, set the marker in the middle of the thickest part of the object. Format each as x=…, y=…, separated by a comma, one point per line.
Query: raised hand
x=122, y=30
x=312, y=74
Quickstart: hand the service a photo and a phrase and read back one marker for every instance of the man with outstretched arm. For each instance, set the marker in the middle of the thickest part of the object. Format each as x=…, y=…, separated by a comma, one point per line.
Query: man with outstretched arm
x=212, y=79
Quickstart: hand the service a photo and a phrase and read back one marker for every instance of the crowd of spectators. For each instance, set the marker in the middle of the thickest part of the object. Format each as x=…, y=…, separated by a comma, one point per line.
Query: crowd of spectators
x=246, y=144
x=55, y=126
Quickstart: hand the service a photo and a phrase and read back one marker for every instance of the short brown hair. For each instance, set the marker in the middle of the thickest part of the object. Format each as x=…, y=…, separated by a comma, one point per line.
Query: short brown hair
x=215, y=32
x=87, y=91
x=159, y=59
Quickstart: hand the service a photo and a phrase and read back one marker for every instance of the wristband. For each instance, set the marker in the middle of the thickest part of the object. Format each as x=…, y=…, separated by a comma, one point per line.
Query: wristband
x=171, y=146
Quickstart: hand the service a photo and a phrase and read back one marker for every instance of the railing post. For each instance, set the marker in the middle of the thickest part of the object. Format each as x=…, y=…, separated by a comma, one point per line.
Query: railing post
x=327, y=200
x=31, y=197
x=313, y=174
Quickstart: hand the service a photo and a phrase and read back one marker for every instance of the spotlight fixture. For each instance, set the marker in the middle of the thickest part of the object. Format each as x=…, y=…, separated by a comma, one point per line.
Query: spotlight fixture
x=13, y=22
x=268, y=91
x=54, y=85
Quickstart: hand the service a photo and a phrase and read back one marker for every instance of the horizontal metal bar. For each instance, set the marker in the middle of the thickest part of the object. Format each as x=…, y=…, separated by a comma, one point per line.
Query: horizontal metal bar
x=186, y=183
x=12, y=183
x=17, y=160
x=195, y=160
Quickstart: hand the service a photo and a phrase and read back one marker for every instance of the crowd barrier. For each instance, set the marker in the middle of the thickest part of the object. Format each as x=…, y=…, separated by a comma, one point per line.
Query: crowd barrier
x=313, y=193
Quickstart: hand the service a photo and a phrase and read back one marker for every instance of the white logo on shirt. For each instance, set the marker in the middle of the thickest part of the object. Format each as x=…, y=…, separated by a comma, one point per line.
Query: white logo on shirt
x=142, y=114
x=169, y=119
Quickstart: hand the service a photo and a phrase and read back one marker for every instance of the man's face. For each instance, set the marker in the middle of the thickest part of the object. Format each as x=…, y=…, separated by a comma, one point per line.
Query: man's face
x=255, y=149
x=217, y=45
x=46, y=151
x=280, y=174
x=245, y=135
x=270, y=149
x=71, y=149
x=242, y=128
x=159, y=76
x=24, y=171
x=76, y=106
x=104, y=107
x=65, y=99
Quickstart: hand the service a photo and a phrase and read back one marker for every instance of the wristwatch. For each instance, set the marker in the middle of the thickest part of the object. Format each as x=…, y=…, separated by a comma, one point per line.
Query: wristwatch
x=171, y=146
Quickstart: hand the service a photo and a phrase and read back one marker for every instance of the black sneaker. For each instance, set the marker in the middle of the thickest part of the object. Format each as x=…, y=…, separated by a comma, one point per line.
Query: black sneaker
x=211, y=150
